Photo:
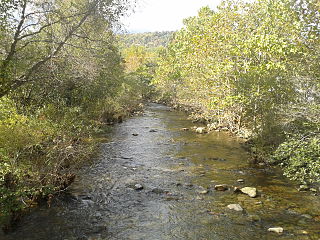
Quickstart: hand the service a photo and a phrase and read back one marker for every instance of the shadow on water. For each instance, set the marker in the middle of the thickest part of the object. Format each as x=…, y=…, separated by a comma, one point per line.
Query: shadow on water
x=177, y=171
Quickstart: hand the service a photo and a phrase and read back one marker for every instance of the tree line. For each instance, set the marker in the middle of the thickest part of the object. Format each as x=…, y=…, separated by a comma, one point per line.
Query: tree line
x=252, y=67
x=62, y=79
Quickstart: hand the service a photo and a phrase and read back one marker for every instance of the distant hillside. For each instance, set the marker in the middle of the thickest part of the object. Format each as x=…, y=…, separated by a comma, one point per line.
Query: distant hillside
x=148, y=40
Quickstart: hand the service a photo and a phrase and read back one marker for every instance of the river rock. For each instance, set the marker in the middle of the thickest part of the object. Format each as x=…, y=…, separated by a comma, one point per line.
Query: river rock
x=237, y=190
x=153, y=130
x=250, y=191
x=158, y=191
x=303, y=188
x=306, y=216
x=221, y=187
x=313, y=190
x=254, y=218
x=201, y=130
x=240, y=180
x=135, y=134
x=185, y=129
x=203, y=192
x=235, y=207
x=276, y=229
x=137, y=187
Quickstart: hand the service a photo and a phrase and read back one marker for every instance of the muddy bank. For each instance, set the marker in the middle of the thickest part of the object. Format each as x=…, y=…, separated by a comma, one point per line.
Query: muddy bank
x=155, y=181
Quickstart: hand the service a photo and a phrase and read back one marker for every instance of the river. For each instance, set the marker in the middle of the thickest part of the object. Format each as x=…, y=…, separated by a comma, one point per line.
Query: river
x=154, y=181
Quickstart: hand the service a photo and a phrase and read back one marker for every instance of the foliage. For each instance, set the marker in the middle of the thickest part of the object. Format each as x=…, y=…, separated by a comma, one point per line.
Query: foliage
x=245, y=66
x=300, y=158
x=61, y=80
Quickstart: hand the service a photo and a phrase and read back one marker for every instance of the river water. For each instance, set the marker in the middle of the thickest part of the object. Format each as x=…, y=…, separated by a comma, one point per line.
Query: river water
x=175, y=169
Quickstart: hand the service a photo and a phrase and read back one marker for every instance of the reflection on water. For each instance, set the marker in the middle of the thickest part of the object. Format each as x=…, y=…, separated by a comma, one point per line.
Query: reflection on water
x=175, y=168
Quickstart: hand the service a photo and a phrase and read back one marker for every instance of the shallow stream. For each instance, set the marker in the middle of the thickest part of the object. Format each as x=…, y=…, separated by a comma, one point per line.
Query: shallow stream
x=177, y=171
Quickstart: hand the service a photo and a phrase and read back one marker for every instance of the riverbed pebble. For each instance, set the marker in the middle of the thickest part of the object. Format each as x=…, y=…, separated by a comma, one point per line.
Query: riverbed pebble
x=138, y=187
x=276, y=229
x=303, y=188
x=221, y=187
x=250, y=191
x=235, y=207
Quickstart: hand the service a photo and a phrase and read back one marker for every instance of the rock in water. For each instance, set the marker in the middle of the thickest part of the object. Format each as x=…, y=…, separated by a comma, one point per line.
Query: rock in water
x=276, y=229
x=303, y=188
x=222, y=187
x=250, y=191
x=203, y=192
x=235, y=207
x=135, y=134
x=201, y=130
x=138, y=187
x=237, y=190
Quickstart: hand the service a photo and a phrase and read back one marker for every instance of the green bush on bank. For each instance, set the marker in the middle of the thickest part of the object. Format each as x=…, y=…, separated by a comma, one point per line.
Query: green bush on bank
x=300, y=158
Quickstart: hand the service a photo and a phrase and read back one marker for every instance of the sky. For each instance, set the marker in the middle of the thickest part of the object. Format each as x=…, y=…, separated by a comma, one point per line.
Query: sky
x=163, y=15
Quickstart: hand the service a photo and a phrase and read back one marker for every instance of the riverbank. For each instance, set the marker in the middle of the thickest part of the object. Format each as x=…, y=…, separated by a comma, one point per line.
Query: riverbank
x=40, y=156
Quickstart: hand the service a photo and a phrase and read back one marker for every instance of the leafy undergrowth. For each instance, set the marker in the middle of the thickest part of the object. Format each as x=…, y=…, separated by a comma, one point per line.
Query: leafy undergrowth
x=40, y=153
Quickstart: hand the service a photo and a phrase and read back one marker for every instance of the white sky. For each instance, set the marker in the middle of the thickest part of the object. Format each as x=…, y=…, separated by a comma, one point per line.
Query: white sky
x=163, y=15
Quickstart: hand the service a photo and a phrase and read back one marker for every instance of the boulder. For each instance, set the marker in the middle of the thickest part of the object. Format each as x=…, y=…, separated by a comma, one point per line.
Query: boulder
x=250, y=191
x=235, y=207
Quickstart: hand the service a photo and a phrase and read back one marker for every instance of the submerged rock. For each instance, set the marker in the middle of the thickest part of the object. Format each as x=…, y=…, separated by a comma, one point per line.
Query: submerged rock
x=135, y=134
x=240, y=180
x=203, y=192
x=254, y=218
x=250, y=191
x=158, y=191
x=276, y=229
x=153, y=130
x=237, y=190
x=221, y=187
x=303, y=188
x=235, y=207
x=137, y=187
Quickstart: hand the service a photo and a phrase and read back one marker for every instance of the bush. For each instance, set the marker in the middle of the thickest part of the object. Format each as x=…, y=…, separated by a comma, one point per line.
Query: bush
x=300, y=158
